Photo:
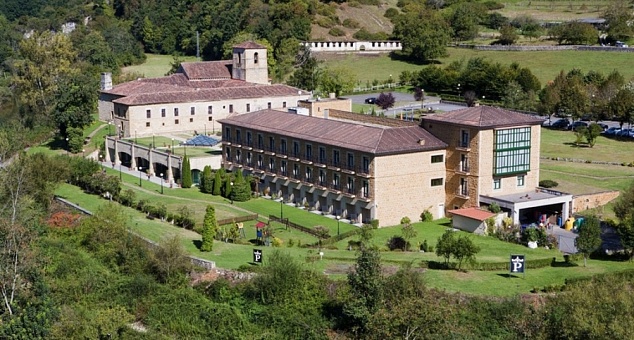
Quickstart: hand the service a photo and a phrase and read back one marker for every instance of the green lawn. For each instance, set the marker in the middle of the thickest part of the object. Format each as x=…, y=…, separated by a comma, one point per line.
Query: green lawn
x=155, y=65
x=558, y=143
x=544, y=64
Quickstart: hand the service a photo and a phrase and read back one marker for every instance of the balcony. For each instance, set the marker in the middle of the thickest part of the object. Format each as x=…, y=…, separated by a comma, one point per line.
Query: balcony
x=462, y=192
x=321, y=162
x=247, y=146
x=463, y=145
x=307, y=158
x=258, y=148
x=321, y=184
x=350, y=193
x=270, y=151
x=348, y=168
x=463, y=169
x=336, y=165
x=282, y=153
x=294, y=156
x=259, y=168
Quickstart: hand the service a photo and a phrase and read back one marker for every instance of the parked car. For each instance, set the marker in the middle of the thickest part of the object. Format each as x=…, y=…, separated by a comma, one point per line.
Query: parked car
x=626, y=133
x=612, y=131
x=574, y=126
x=371, y=100
x=560, y=124
x=603, y=126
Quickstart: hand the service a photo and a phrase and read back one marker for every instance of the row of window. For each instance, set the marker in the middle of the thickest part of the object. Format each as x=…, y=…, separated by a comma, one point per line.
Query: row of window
x=177, y=121
x=497, y=182
x=210, y=110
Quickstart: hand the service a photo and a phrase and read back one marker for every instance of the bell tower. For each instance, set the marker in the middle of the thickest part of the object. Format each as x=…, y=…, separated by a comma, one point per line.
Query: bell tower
x=249, y=63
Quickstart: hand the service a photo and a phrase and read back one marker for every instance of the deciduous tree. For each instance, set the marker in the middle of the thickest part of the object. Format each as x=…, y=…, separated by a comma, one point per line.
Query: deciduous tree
x=385, y=100
x=366, y=290
x=589, y=238
x=423, y=32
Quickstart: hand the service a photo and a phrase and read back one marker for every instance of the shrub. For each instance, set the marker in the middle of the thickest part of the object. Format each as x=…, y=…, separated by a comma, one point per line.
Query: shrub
x=336, y=32
x=391, y=13
x=322, y=231
x=397, y=243
x=547, y=183
x=493, y=5
x=325, y=22
x=354, y=4
x=426, y=216
x=277, y=242
x=290, y=243
x=374, y=223
x=425, y=247
x=350, y=23
x=495, y=208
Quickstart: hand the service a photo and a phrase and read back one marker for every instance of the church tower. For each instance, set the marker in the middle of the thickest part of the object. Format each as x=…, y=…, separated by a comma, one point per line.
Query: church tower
x=249, y=63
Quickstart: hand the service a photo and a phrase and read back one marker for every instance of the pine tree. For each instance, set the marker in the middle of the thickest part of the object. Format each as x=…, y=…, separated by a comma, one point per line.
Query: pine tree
x=207, y=180
x=217, y=184
x=227, y=188
x=210, y=228
x=241, y=189
x=186, y=177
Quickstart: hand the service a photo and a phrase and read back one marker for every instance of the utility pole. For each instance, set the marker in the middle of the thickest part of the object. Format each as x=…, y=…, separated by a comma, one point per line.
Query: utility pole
x=197, y=46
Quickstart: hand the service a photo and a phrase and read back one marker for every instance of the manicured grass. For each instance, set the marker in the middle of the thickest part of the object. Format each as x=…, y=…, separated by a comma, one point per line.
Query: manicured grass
x=544, y=64
x=165, y=144
x=155, y=65
x=581, y=178
x=558, y=143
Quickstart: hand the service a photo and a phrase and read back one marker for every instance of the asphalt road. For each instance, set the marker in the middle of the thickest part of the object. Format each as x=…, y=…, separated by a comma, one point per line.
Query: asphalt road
x=411, y=104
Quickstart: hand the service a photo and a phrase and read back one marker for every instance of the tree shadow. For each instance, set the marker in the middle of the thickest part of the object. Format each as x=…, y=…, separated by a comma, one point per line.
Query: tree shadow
x=56, y=144
x=410, y=60
x=563, y=264
x=198, y=244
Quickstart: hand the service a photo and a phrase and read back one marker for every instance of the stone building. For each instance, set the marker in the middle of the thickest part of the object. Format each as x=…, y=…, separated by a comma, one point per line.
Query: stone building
x=359, y=172
x=196, y=96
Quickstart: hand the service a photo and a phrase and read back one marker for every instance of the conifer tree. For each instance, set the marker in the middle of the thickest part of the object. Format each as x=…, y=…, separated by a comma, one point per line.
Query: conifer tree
x=206, y=180
x=227, y=187
x=210, y=228
x=241, y=190
x=217, y=184
x=186, y=177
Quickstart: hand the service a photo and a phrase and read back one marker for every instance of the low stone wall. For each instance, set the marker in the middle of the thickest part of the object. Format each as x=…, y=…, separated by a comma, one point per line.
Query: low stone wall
x=544, y=48
x=591, y=201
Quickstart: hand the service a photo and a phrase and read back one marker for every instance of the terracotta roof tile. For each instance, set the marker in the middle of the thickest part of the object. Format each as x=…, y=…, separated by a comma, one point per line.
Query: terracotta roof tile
x=249, y=45
x=473, y=213
x=185, y=95
x=206, y=70
x=484, y=117
x=379, y=140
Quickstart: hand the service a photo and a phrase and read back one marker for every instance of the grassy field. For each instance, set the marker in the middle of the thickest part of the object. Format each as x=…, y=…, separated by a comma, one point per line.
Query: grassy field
x=155, y=65
x=558, y=143
x=544, y=64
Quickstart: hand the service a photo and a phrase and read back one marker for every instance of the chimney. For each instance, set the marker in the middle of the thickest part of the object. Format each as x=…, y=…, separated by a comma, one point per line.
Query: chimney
x=421, y=141
x=106, y=81
x=332, y=95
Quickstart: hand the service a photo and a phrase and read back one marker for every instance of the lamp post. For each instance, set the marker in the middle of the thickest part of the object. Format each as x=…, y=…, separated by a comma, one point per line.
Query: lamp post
x=140, y=169
x=205, y=129
x=153, y=144
x=120, y=172
x=281, y=206
x=161, y=184
x=101, y=160
x=338, y=218
x=135, y=139
x=83, y=152
x=67, y=147
x=109, y=124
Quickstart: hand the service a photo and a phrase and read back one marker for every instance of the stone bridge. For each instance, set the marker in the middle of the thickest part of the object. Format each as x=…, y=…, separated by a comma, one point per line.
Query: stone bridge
x=153, y=161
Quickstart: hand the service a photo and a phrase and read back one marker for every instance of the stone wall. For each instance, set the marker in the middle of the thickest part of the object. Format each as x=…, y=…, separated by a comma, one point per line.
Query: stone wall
x=591, y=201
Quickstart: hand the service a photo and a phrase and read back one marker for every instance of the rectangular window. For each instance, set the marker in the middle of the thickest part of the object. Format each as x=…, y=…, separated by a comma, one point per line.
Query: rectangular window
x=210, y=110
x=249, y=138
x=272, y=164
x=295, y=171
x=248, y=107
x=147, y=124
x=238, y=136
x=295, y=148
x=283, y=146
x=191, y=120
x=350, y=185
x=464, y=139
x=231, y=108
x=163, y=113
x=322, y=177
x=260, y=162
x=497, y=183
x=283, y=168
x=366, y=189
x=227, y=134
x=268, y=105
x=238, y=156
x=520, y=180
x=249, y=159
x=176, y=121
x=148, y=114
x=175, y=112
x=283, y=104
x=260, y=141
x=192, y=110
x=463, y=189
x=436, y=182
x=309, y=152
x=335, y=157
x=512, y=151
x=209, y=119
x=366, y=165
x=437, y=158
x=271, y=144
x=309, y=174
x=350, y=161
x=322, y=155
x=335, y=182
x=228, y=153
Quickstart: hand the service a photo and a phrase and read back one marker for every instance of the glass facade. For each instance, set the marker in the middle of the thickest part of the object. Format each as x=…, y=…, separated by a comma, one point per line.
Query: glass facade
x=512, y=151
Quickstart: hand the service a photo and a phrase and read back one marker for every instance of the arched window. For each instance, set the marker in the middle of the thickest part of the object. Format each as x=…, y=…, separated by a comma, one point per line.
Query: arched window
x=255, y=58
x=239, y=59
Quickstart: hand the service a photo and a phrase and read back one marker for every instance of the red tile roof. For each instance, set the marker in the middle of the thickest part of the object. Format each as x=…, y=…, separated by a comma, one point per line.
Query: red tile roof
x=249, y=45
x=379, y=140
x=473, y=213
x=207, y=70
x=163, y=95
x=484, y=117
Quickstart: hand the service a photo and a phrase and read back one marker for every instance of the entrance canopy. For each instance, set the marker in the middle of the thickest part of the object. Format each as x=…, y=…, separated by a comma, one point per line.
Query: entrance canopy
x=202, y=140
x=527, y=207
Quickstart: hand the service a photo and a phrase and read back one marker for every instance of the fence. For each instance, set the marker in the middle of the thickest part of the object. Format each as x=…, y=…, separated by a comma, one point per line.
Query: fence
x=374, y=88
x=238, y=219
x=298, y=227
x=151, y=244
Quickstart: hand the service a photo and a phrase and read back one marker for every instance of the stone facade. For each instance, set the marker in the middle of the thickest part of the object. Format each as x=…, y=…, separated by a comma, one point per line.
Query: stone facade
x=594, y=200
x=321, y=107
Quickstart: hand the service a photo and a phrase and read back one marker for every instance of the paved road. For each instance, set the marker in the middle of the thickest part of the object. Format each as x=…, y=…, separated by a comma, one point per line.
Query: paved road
x=407, y=103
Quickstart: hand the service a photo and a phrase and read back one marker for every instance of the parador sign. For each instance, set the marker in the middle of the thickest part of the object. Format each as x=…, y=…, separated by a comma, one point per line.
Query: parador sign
x=517, y=264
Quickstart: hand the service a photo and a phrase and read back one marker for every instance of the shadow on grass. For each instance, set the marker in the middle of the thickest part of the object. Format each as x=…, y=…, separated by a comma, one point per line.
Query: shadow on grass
x=56, y=144
x=563, y=264
x=197, y=243
x=509, y=276
x=447, y=224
